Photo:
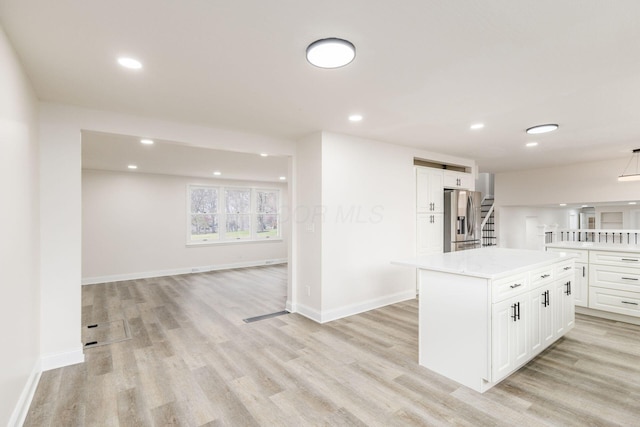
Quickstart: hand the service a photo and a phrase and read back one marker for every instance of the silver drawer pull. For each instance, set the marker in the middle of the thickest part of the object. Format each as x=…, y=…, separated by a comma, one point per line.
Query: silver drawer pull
x=567, y=268
x=630, y=259
x=544, y=276
x=630, y=278
x=629, y=302
x=517, y=285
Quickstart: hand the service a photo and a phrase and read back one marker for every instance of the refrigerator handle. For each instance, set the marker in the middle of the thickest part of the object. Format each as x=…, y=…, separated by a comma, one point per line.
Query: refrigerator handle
x=471, y=214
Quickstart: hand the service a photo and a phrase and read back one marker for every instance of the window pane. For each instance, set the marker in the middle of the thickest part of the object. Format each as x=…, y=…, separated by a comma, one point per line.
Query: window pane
x=238, y=227
x=238, y=201
x=267, y=225
x=204, y=227
x=204, y=200
x=267, y=201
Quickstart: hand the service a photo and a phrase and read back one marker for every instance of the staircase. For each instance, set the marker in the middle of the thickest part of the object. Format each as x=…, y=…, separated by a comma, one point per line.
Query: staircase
x=488, y=227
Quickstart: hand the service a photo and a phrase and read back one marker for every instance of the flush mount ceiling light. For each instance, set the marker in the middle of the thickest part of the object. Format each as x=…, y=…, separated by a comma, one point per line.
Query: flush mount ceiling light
x=476, y=126
x=217, y=173
x=133, y=166
x=146, y=141
x=531, y=144
x=633, y=176
x=542, y=128
x=331, y=53
x=131, y=63
x=355, y=118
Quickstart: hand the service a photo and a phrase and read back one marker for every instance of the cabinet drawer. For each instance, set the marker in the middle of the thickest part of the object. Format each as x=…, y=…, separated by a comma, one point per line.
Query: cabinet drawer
x=625, y=259
x=614, y=277
x=542, y=276
x=509, y=286
x=565, y=269
x=614, y=300
x=581, y=255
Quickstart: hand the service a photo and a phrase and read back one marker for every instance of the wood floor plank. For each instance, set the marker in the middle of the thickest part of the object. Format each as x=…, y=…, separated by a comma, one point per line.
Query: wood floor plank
x=193, y=361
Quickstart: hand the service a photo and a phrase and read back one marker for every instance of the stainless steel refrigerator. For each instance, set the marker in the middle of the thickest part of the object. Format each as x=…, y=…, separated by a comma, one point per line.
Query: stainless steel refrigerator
x=462, y=219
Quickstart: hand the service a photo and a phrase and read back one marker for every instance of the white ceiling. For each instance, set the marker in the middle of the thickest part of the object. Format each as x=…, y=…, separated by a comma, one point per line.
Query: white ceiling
x=111, y=152
x=425, y=70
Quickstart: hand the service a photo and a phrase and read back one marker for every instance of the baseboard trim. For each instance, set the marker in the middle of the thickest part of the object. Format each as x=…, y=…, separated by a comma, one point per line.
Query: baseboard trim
x=60, y=360
x=608, y=315
x=177, y=271
x=24, y=402
x=307, y=312
x=372, y=304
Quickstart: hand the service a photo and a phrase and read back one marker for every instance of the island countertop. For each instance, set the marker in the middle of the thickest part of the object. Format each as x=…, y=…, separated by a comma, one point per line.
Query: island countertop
x=488, y=263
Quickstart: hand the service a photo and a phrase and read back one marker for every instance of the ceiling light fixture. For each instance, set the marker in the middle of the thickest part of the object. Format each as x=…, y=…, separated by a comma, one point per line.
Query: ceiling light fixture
x=146, y=141
x=264, y=155
x=632, y=203
x=634, y=176
x=531, y=144
x=131, y=63
x=132, y=167
x=331, y=53
x=217, y=173
x=355, y=118
x=282, y=178
x=563, y=204
x=542, y=128
x=476, y=126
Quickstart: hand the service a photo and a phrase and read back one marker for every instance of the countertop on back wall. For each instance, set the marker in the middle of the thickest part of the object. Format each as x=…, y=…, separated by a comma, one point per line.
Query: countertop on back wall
x=594, y=246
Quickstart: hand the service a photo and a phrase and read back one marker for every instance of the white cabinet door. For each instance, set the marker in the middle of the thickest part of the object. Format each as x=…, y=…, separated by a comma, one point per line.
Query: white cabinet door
x=459, y=180
x=510, y=336
x=430, y=229
x=429, y=190
x=541, y=331
x=564, y=308
x=581, y=288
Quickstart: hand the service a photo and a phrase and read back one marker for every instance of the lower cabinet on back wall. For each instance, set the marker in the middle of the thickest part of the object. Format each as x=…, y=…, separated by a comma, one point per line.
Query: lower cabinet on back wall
x=429, y=234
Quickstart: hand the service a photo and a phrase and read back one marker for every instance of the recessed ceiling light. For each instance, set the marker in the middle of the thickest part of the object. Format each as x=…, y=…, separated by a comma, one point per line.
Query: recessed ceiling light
x=131, y=63
x=331, y=53
x=282, y=178
x=355, y=118
x=531, y=144
x=585, y=206
x=563, y=204
x=146, y=141
x=217, y=173
x=263, y=154
x=476, y=126
x=133, y=166
x=542, y=128
x=632, y=203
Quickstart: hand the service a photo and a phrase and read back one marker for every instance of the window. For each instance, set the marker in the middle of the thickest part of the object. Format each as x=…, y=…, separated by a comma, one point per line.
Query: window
x=267, y=209
x=204, y=214
x=226, y=214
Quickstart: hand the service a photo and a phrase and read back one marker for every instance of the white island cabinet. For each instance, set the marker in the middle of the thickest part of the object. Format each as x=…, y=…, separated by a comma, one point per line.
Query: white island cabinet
x=483, y=313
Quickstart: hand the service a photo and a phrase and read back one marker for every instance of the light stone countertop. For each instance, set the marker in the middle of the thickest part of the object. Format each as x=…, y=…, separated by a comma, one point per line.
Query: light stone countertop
x=489, y=263
x=594, y=246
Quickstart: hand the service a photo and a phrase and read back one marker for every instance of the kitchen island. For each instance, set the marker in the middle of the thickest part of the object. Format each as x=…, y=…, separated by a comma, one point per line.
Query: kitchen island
x=483, y=313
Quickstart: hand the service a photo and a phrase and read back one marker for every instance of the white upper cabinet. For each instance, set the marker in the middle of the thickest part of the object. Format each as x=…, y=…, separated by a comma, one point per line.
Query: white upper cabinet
x=459, y=180
x=429, y=190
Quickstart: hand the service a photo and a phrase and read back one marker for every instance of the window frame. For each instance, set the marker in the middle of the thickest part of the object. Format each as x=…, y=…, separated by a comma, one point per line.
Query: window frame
x=222, y=215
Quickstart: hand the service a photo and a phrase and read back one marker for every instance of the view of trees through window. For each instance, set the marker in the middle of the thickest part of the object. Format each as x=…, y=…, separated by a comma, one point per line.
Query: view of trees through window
x=220, y=214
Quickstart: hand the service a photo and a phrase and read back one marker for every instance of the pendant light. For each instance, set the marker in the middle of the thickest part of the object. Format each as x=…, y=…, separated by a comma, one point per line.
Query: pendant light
x=634, y=176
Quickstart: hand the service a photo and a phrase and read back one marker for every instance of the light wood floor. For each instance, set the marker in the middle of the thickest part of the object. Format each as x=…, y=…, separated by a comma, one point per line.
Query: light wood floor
x=193, y=362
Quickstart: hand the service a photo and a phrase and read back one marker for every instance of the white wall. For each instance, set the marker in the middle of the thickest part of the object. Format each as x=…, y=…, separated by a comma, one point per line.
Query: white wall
x=513, y=223
x=307, y=217
x=573, y=183
x=363, y=219
x=134, y=225
x=20, y=237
